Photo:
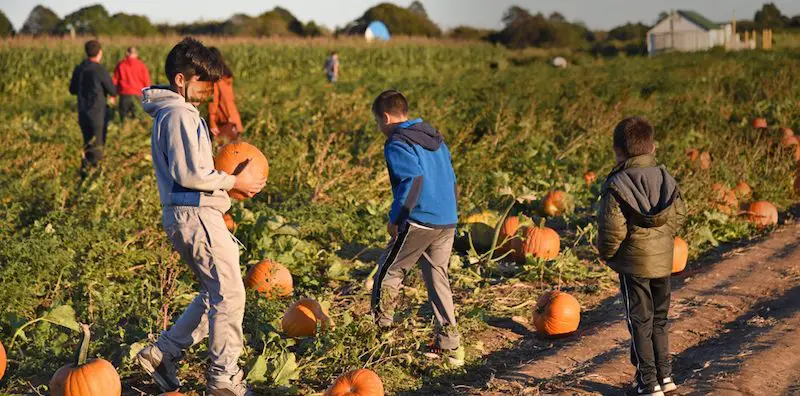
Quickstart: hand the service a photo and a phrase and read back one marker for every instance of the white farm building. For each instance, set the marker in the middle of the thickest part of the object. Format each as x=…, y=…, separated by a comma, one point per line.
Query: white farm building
x=686, y=31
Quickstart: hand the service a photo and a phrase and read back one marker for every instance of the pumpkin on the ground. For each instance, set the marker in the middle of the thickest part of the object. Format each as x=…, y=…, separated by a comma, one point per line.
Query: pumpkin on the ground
x=680, y=255
x=229, y=223
x=589, y=177
x=556, y=313
x=557, y=203
x=693, y=154
x=486, y=216
x=539, y=242
x=361, y=382
x=269, y=278
x=2, y=360
x=759, y=123
x=94, y=377
x=507, y=238
x=234, y=156
x=704, y=162
x=302, y=318
x=481, y=235
x=724, y=199
x=762, y=214
x=789, y=141
x=742, y=190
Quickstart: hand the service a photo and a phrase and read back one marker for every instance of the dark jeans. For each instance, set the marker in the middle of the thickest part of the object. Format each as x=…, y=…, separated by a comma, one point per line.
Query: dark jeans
x=646, y=306
x=94, y=128
x=127, y=106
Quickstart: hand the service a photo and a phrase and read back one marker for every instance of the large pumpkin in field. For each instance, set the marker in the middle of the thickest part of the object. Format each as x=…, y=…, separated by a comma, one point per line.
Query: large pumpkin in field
x=556, y=313
x=232, y=157
x=742, y=190
x=680, y=255
x=361, y=382
x=539, y=242
x=724, y=199
x=557, y=203
x=95, y=377
x=2, y=360
x=762, y=214
x=302, y=318
x=269, y=278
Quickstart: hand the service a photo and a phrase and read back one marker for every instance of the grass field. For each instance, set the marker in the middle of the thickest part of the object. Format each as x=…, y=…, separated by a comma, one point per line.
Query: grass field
x=98, y=247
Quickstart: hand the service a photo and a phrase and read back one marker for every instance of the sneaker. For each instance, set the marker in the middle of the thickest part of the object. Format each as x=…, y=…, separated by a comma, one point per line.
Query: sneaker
x=163, y=371
x=236, y=387
x=667, y=385
x=452, y=357
x=638, y=390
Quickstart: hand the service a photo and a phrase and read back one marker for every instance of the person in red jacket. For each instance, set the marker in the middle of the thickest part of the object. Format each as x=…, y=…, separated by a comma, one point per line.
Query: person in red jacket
x=130, y=77
x=223, y=117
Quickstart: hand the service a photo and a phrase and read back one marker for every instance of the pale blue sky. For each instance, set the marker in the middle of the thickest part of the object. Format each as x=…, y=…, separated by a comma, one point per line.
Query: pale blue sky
x=597, y=14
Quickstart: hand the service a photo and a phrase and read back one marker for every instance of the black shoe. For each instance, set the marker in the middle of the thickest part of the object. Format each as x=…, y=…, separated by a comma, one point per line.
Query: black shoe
x=638, y=390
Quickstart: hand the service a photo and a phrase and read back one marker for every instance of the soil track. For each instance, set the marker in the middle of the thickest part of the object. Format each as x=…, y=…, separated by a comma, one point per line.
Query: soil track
x=735, y=330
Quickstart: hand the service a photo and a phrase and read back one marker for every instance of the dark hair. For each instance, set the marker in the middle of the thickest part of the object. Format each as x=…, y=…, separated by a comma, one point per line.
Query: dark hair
x=92, y=48
x=191, y=58
x=634, y=136
x=334, y=52
x=392, y=102
x=226, y=71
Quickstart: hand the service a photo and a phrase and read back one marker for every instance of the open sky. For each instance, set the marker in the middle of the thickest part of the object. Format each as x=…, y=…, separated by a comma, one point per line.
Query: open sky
x=597, y=14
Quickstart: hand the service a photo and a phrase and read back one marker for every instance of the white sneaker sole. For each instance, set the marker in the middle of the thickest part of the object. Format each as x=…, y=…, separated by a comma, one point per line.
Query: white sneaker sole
x=160, y=381
x=670, y=387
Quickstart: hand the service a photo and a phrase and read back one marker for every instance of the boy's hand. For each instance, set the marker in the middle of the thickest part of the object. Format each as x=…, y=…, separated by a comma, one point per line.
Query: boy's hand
x=392, y=230
x=215, y=132
x=247, y=183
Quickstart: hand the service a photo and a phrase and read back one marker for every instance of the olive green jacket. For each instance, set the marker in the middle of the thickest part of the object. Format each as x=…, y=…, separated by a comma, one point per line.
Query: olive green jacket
x=641, y=211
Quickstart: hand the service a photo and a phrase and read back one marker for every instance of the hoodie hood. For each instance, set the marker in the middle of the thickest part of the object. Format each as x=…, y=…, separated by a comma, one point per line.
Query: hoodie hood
x=159, y=97
x=644, y=189
x=417, y=132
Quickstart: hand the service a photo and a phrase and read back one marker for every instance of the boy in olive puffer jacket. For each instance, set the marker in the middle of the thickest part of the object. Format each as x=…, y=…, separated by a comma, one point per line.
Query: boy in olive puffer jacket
x=641, y=210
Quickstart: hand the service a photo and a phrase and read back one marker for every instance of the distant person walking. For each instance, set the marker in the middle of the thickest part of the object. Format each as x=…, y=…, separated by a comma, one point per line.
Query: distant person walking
x=130, y=77
x=91, y=83
x=223, y=116
x=332, y=67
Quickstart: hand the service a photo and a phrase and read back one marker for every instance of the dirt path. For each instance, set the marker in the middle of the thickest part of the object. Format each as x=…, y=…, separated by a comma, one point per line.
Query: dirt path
x=735, y=330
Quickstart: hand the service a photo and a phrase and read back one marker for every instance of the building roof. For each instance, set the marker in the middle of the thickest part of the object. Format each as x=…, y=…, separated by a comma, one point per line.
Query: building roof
x=698, y=19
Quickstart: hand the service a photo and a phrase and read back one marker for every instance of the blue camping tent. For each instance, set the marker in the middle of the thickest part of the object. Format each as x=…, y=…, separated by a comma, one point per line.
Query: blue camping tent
x=377, y=31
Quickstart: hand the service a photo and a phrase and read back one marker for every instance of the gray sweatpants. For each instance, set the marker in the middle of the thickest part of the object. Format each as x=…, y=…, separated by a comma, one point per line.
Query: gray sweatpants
x=204, y=243
x=433, y=247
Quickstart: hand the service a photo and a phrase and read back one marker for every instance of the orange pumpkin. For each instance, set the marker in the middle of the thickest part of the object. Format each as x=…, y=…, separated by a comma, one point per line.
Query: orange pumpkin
x=269, y=278
x=693, y=154
x=786, y=132
x=302, y=318
x=759, y=123
x=742, y=190
x=361, y=382
x=557, y=203
x=724, y=199
x=232, y=157
x=229, y=223
x=680, y=255
x=556, y=313
x=762, y=214
x=539, y=242
x=2, y=360
x=507, y=237
x=95, y=377
x=789, y=141
x=589, y=177
x=704, y=162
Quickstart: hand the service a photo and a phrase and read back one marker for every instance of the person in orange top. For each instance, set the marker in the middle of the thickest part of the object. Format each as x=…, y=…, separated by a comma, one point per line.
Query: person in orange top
x=130, y=77
x=223, y=117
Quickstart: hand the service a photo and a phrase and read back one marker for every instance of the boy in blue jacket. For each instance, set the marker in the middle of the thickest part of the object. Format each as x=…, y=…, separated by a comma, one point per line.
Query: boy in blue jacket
x=422, y=220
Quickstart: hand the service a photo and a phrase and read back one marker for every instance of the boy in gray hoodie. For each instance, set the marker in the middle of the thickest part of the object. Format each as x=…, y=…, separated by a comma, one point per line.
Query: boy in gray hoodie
x=193, y=198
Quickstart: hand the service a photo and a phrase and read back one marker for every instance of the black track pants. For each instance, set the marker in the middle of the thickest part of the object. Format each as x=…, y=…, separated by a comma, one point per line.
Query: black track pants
x=646, y=304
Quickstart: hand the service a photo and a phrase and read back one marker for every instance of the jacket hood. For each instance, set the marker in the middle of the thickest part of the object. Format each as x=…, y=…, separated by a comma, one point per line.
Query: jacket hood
x=417, y=132
x=644, y=189
x=156, y=98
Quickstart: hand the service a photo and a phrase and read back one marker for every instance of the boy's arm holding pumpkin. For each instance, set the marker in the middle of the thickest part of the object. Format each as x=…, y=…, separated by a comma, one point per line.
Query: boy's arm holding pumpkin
x=182, y=148
x=613, y=227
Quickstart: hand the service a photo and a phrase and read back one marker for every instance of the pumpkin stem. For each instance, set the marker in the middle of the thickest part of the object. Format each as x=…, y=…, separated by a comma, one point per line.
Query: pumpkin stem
x=541, y=222
x=83, y=349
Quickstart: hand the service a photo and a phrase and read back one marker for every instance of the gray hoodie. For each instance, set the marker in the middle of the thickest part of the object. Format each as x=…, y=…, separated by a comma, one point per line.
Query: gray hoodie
x=182, y=153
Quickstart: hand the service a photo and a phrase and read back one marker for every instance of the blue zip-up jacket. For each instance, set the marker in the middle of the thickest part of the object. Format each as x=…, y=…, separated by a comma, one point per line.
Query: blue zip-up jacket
x=422, y=176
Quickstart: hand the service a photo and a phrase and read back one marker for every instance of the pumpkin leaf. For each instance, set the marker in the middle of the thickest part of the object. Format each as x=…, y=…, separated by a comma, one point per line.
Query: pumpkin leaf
x=258, y=373
x=284, y=369
x=63, y=315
